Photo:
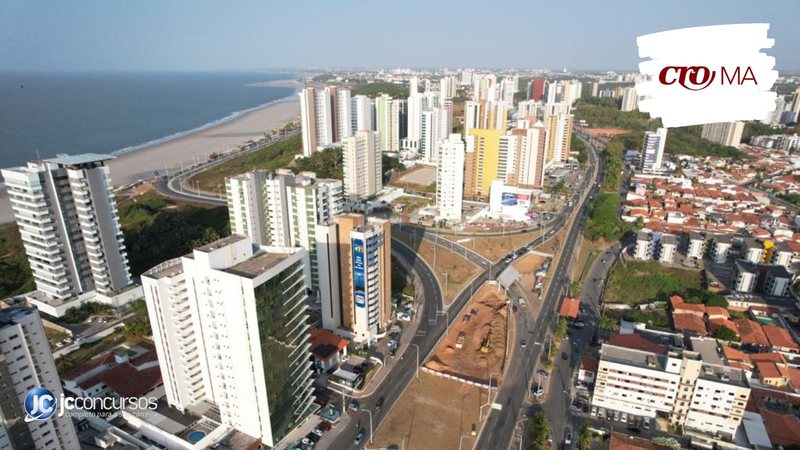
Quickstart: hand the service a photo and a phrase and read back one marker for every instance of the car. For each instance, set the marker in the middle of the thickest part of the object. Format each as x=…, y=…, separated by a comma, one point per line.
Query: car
x=542, y=373
x=318, y=431
x=567, y=437
x=308, y=442
x=646, y=423
x=325, y=426
x=574, y=407
x=623, y=418
x=359, y=437
x=601, y=412
x=564, y=356
x=353, y=405
x=579, y=325
x=594, y=411
x=313, y=437
x=344, y=358
x=521, y=301
x=616, y=416
x=379, y=403
x=523, y=344
x=537, y=390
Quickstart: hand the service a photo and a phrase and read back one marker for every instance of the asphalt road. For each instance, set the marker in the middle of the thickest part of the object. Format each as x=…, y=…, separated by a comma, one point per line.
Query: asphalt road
x=499, y=426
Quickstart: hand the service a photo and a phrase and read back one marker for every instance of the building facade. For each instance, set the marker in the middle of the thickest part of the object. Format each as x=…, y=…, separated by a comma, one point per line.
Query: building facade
x=362, y=166
x=69, y=225
x=250, y=331
x=450, y=179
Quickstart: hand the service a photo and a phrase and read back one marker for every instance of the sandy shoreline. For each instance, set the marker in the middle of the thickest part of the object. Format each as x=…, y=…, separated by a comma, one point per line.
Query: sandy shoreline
x=141, y=163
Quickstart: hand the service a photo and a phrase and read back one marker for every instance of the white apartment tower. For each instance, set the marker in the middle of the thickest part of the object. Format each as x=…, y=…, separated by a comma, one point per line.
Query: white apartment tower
x=26, y=362
x=363, y=113
x=630, y=100
x=362, y=166
x=530, y=167
x=450, y=179
x=725, y=133
x=69, y=226
x=653, y=150
x=316, y=119
x=281, y=209
x=399, y=124
x=239, y=330
x=344, y=110
x=383, y=115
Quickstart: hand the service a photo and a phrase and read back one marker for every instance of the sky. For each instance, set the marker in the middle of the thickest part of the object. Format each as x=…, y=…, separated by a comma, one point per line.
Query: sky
x=136, y=35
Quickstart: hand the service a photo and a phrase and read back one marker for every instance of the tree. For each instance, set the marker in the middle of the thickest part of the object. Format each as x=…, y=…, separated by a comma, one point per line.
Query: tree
x=726, y=334
x=539, y=432
x=717, y=300
x=609, y=323
x=585, y=439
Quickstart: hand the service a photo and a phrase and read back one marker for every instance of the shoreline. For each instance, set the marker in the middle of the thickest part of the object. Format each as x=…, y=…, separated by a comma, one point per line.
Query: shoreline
x=185, y=148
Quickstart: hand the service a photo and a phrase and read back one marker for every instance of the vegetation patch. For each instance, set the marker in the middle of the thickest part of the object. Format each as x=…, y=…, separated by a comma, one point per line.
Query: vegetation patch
x=637, y=282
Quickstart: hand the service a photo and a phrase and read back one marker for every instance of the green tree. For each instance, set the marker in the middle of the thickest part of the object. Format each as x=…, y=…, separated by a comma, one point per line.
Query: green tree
x=585, y=439
x=325, y=164
x=137, y=328
x=609, y=323
x=539, y=432
x=726, y=334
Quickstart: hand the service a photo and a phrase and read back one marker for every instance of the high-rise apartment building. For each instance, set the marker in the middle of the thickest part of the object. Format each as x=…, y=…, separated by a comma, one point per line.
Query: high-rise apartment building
x=537, y=89
x=399, y=121
x=472, y=114
x=595, y=91
x=316, y=119
x=363, y=113
x=507, y=156
x=230, y=328
x=281, y=209
x=69, y=226
x=346, y=124
x=413, y=85
x=630, y=101
x=383, y=116
x=531, y=161
x=559, y=137
x=653, y=150
x=481, y=161
x=450, y=179
x=526, y=110
x=431, y=134
x=362, y=166
x=447, y=87
x=725, y=133
x=357, y=256
x=26, y=362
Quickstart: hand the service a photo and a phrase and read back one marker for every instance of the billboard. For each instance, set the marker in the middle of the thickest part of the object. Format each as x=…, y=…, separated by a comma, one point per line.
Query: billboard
x=515, y=199
x=359, y=295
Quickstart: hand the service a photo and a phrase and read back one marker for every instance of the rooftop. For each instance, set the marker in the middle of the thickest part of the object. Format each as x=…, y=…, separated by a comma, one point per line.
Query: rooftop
x=257, y=264
x=10, y=316
x=631, y=357
x=220, y=243
x=707, y=348
x=77, y=160
x=637, y=341
x=168, y=268
x=570, y=308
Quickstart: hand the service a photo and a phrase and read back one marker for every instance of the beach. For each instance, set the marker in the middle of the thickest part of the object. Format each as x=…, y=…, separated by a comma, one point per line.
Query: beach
x=142, y=163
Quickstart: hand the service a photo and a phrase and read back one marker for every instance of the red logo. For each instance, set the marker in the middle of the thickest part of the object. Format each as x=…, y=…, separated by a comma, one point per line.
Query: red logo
x=697, y=78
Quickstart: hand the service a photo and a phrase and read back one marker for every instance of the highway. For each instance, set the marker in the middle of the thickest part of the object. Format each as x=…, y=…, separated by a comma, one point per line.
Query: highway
x=435, y=320
x=499, y=426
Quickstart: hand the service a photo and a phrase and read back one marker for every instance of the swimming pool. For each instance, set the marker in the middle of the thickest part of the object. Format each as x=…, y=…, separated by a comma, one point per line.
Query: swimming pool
x=195, y=436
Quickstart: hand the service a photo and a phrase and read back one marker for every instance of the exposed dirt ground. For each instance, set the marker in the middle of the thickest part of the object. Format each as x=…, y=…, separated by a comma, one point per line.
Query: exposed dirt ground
x=432, y=414
x=527, y=266
x=483, y=325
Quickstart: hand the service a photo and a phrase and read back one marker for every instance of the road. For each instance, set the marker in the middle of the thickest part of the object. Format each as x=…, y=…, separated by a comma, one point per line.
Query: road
x=499, y=426
x=435, y=321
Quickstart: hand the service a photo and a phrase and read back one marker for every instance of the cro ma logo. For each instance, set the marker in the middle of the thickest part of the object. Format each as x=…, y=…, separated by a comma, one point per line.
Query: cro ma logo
x=40, y=404
x=697, y=78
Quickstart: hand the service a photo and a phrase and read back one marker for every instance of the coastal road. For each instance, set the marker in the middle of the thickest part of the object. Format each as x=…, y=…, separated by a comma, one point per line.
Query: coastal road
x=499, y=426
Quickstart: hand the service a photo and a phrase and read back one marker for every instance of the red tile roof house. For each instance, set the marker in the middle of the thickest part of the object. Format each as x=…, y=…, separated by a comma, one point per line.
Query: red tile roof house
x=751, y=332
x=327, y=348
x=570, y=308
x=689, y=323
x=588, y=369
x=783, y=429
x=114, y=373
x=780, y=339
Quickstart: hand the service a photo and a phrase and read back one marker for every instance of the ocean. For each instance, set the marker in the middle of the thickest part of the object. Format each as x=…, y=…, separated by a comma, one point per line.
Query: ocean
x=45, y=114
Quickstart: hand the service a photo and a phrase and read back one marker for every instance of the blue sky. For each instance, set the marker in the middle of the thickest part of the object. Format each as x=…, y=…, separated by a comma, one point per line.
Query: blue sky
x=245, y=34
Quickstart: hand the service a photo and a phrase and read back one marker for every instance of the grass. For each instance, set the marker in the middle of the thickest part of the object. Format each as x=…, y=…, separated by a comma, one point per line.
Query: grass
x=411, y=204
x=637, y=282
x=88, y=351
x=15, y=273
x=271, y=157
